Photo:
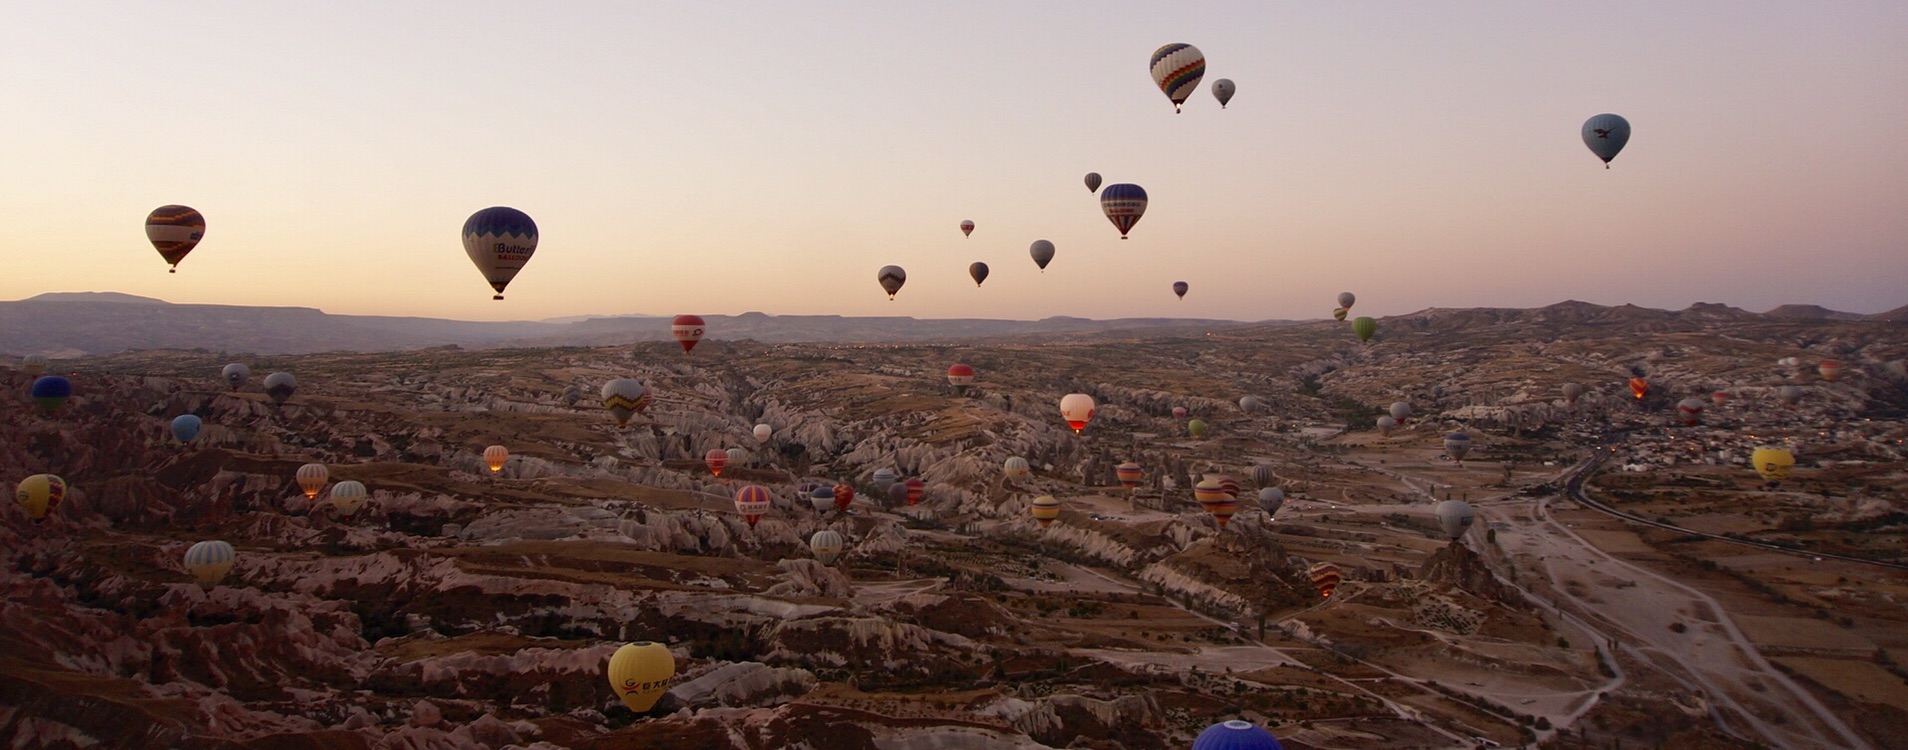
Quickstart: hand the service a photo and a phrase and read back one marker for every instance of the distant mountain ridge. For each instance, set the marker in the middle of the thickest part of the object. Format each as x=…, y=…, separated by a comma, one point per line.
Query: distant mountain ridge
x=88, y=323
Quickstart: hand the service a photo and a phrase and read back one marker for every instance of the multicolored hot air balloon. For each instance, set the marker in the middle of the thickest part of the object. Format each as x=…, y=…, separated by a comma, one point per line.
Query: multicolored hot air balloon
x=1093, y=182
x=1042, y=252
x=209, y=562
x=235, y=374
x=1129, y=474
x=1339, y=313
x=50, y=392
x=1363, y=328
x=1223, y=90
x=348, y=496
x=499, y=240
x=826, y=545
x=279, y=387
x=1016, y=468
x=844, y=496
x=639, y=673
x=822, y=497
x=1639, y=386
x=1177, y=68
x=1077, y=409
x=1212, y=496
x=1690, y=410
x=1123, y=204
x=967, y=228
x=1454, y=517
x=751, y=502
x=1229, y=485
x=185, y=427
x=1044, y=509
x=891, y=278
x=961, y=377
x=687, y=329
x=1772, y=463
x=1830, y=370
x=978, y=271
x=495, y=457
x=1236, y=735
x=1606, y=134
x=1457, y=444
x=625, y=398
x=312, y=478
x=916, y=490
x=716, y=458
x=1325, y=578
x=174, y=231
x=40, y=495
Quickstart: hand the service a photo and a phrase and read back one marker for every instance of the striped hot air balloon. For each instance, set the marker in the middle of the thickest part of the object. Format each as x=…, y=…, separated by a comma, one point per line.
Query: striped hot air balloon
x=1093, y=182
x=844, y=496
x=822, y=497
x=884, y=478
x=1129, y=474
x=687, y=329
x=751, y=502
x=1263, y=476
x=174, y=231
x=348, y=496
x=1016, y=468
x=1123, y=205
x=499, y=240
x=1325, y=578
x=916, y=489
x=1230, y=485
x=1177, y=68
x=312, y=478
x=1236, y=735
x=1044, y=509
x=716, y=458
x=495, y=457
x=826, y=545
x=209, y=562
x=1212, y=495
x=625, y=398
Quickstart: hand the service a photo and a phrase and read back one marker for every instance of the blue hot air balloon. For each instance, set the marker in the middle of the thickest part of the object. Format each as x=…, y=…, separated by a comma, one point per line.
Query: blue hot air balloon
x=1179, y=288
x=1606, y=134
x=51, y=392
x=185, y=427
x=1236, y=735
x=500, y=241
x=1124, y=204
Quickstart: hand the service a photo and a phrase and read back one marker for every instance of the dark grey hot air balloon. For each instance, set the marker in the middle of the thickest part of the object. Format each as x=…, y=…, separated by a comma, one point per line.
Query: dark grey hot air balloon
x=891, y=278
x=1223, y=90
x=1042, y=252
x=1606, y=134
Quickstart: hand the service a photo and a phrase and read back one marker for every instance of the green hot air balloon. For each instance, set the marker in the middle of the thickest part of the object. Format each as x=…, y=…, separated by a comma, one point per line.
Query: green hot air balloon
x=1364, y=327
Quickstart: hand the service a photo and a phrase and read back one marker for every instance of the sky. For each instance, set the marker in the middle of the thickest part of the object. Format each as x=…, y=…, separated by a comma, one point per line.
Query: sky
x=721, y=158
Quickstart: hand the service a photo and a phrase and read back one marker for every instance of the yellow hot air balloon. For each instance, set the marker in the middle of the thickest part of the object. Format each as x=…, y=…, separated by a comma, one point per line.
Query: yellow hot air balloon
x=312, y=478
x=639, y=673
x=1773, y=463
x=1045, y=509
x=40, y=495
x=495, y=456
x=208, y=562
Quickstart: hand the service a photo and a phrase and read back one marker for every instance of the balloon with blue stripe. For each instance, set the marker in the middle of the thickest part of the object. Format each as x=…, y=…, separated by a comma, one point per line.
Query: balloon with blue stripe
x=209, y=562
x=499, y=240
x=1123, y=204
x=1236, y=735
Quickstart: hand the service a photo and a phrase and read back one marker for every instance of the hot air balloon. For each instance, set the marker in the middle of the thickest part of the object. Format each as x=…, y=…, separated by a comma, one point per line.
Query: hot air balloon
x=1325, y=578
x=1690, y=410
x=891, y=278
x=50, y=392
x=1263, y=476
x=500, y=240
x=1250, y=404
x=844, y=497
x=1639, y=386
x=916, y=490
x=174, y=231
x=1196, y=428
x=751, y=502
x=1210, y=492
x=826, y=545
x=738, y=456
x=1222, y=90
x=1179, y=412
x=961, y=377
x=1719, y=398
x=1572, y=392
x=1229, y=486
x=495, y=457
x=1177, y=68
x=1455, y=517
x=1045, y=508
x=716, y=458
x=625, y=398
x=823, y=498
x=1179, y=288
x=967, y=228
x=1123, y=204
x=1400, y=410
x=1457, y=444
x=1016, y=468
x=1345, y=300
x=639, y=673
x=312, y=478
x=1605, y=134
x=1129, y=474
x=1830, y=370
x=1271, y=499
x=280, y=386
x=1386, y=424
x=1339, y=313
x=687, y=329
x=1236, y=735
x=1790, y=394
x=1772, y=463
x=208, y=562
x=883, y=479
x=235, y=374
x=1093, y=182
x=40, y=495
x=1042, y=252
x=1077, y=409
x=897, y=494
x=978, y=271
x=1364, y=327
x=185, y=427
x=348, y=496
x=33, y=365
x=762, y=433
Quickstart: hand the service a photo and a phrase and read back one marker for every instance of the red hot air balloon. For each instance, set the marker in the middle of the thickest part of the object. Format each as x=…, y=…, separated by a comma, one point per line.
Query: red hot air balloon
x=1830, y=370
x=916, y=488
x=1123, y=205
x=687, y=329
x=844, y=495
x=1325, y=577
x=1639, y=386
x=967, y=228
x=716, y=458
x=960, y=376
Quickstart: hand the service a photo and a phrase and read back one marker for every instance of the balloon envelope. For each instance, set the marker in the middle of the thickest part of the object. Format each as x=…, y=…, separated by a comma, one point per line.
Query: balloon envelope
x=1042, y=252
x=891, y=278
x=495, y=457
x=716, y=459
x=1016, y=467
x=235, y=374
x=687, y=330
x=208, y=562
x=1455, y=517
x=1457, y=444
x=1044, y=509
x=33, y=365
x=1639, y=387
x=1606, y=135
x=40, y=495
x=1176, y=69
x=499, y=240
x=1790, y=394
x=1263, y=475
x=1123, y=205
x=1572, y=392
x=978, y=271
x=51, y=392
x=312, y=478
x=1236, y=735
x=826, y=545
x=883, y=479
x=762, y=433
x=1830, y=370
x=1325, y=578
x=185, y=427
x=1271, y=499
x=639, y=673
x=1345, y=299
x=174, y=231
x=1179, y=288
x=1129, y=474
x=280, y=386
x=1690, y=410
x=1773, y=463
x=967, y=228
x=1251, y=404
x=348, y=496
x=1386, y=424
x=625, y=398
x=1196, y=428
x=751, y=502
x=959, y=375
x=1093, y=182
x=1400, y=410
x=1364, y=328
x=1077, y=409
x=1223, y=90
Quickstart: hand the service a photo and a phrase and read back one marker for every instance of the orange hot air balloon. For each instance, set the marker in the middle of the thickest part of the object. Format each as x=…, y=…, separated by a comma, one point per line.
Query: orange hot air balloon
x=716, y=458
x=495, y=457
x=312, y=478
x=1325, y=577
x=1639, y=386
x=1830, y=370
x=687, y=329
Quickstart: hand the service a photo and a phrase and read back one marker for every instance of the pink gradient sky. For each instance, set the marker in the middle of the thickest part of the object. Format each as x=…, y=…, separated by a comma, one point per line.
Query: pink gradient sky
x=722, y=158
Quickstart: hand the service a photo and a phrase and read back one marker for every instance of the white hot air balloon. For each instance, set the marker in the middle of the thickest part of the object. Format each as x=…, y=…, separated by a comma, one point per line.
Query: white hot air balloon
x=1455, y=517
x=762, y=433
x=348, y=496
x=826, y=544
x=209, y=562
x=1077, y=409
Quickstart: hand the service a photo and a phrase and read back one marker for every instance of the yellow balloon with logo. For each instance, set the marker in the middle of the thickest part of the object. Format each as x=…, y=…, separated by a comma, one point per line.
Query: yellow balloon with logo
x=1773, y=463
x=40, y=495
x=639, y=673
